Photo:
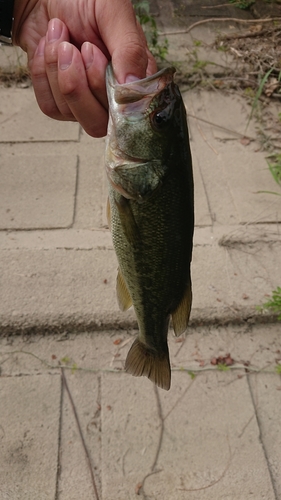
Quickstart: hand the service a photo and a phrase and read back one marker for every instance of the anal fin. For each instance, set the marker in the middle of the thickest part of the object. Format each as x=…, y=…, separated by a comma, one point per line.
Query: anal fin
x=143, y=361
x=123, y=294
x=181, y=314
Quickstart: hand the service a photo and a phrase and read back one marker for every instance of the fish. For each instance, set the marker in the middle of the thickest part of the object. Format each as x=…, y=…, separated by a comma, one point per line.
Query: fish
x=150, y=213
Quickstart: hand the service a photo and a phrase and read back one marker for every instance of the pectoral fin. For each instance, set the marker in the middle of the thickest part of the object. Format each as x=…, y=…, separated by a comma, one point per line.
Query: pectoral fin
x=128, y=222
x=123, y=294
x=181, y=314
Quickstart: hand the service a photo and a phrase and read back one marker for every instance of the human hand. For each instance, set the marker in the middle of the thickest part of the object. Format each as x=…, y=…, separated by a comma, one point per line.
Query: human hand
x=69, y=44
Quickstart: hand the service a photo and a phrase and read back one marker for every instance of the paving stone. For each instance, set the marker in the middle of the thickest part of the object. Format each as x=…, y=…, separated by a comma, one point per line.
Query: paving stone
x=29, y=429
x=233, y=174
x=247, y=176
x=58, y=285
x=195, y=451
x=71, y=288
x=37, y=191
x=22, y=120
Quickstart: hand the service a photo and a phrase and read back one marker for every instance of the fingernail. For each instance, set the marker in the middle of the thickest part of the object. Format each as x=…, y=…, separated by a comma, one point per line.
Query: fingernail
x=131, y=78
x=41, y=47
x=65, y=55
x=54, y=30
x=88, y=54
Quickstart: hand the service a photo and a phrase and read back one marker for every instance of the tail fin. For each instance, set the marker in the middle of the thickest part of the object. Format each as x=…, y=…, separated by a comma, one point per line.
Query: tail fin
x=142, y=360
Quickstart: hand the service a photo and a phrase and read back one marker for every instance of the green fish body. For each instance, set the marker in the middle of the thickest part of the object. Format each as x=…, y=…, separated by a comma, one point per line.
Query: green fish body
x=150, y=213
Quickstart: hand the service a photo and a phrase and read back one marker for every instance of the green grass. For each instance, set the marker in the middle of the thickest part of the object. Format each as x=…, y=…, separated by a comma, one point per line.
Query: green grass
x=242, y=4
x=274, y=303
x=149, y=26
x=245, y=4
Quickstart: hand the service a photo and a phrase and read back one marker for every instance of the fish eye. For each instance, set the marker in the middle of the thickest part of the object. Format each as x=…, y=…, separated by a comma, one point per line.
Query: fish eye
x=160, y=119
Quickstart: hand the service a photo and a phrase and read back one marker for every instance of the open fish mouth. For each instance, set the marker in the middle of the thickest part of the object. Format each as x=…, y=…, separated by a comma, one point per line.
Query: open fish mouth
x=129, y=93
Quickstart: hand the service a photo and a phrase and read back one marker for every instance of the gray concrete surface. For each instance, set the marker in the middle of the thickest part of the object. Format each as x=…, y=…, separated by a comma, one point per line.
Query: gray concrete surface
x=216, y=434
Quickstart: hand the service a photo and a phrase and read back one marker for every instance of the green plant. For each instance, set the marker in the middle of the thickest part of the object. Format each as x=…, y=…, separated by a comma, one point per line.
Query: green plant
x=148, y=24
x=278, y=369
x=275, y=169
x=223, y=367
x=242, y=4
x=274, y=304
x=258, y=94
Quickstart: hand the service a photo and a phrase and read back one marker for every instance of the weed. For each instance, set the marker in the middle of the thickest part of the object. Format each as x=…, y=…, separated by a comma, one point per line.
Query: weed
x=148, y=24
x=242, y=4
x=274, y=304
x=258, y=94
x=223, y=367
x=275, y=169
x=191, y=374
x=278, y=369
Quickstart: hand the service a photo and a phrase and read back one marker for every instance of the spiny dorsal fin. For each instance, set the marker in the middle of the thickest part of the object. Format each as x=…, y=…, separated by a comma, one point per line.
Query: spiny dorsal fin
x=181, y=314
x=123, y=294
x=143, y=361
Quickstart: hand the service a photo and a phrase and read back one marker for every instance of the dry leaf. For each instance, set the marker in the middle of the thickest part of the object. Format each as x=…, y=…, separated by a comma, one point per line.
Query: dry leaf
x=256, y=28
x=117, y=341
x=270, y=86
x=138, y=488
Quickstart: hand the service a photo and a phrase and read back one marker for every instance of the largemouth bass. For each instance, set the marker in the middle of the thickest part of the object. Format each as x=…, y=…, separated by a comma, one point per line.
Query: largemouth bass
x=150, y=213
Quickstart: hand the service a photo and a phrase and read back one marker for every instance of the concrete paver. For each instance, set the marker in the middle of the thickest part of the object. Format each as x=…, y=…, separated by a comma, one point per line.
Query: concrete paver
x=21, y=120
x=29, y=427
x=233, y=174
x=37, y=191
x=195, y=451
x=221, y=429
x=73, y=286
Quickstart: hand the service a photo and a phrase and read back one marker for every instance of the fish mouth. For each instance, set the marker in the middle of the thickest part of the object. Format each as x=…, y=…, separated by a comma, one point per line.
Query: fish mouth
x=129, y=93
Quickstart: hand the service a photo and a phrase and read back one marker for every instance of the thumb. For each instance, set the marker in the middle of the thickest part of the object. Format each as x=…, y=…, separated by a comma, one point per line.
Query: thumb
x=124, y=40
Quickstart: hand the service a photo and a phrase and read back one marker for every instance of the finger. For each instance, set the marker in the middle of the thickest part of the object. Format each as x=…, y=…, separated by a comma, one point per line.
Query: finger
x=74, y=87
x=57, y=33
x=95, y=64
x=123, y=37
x=41, y=84
x=151, y=65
